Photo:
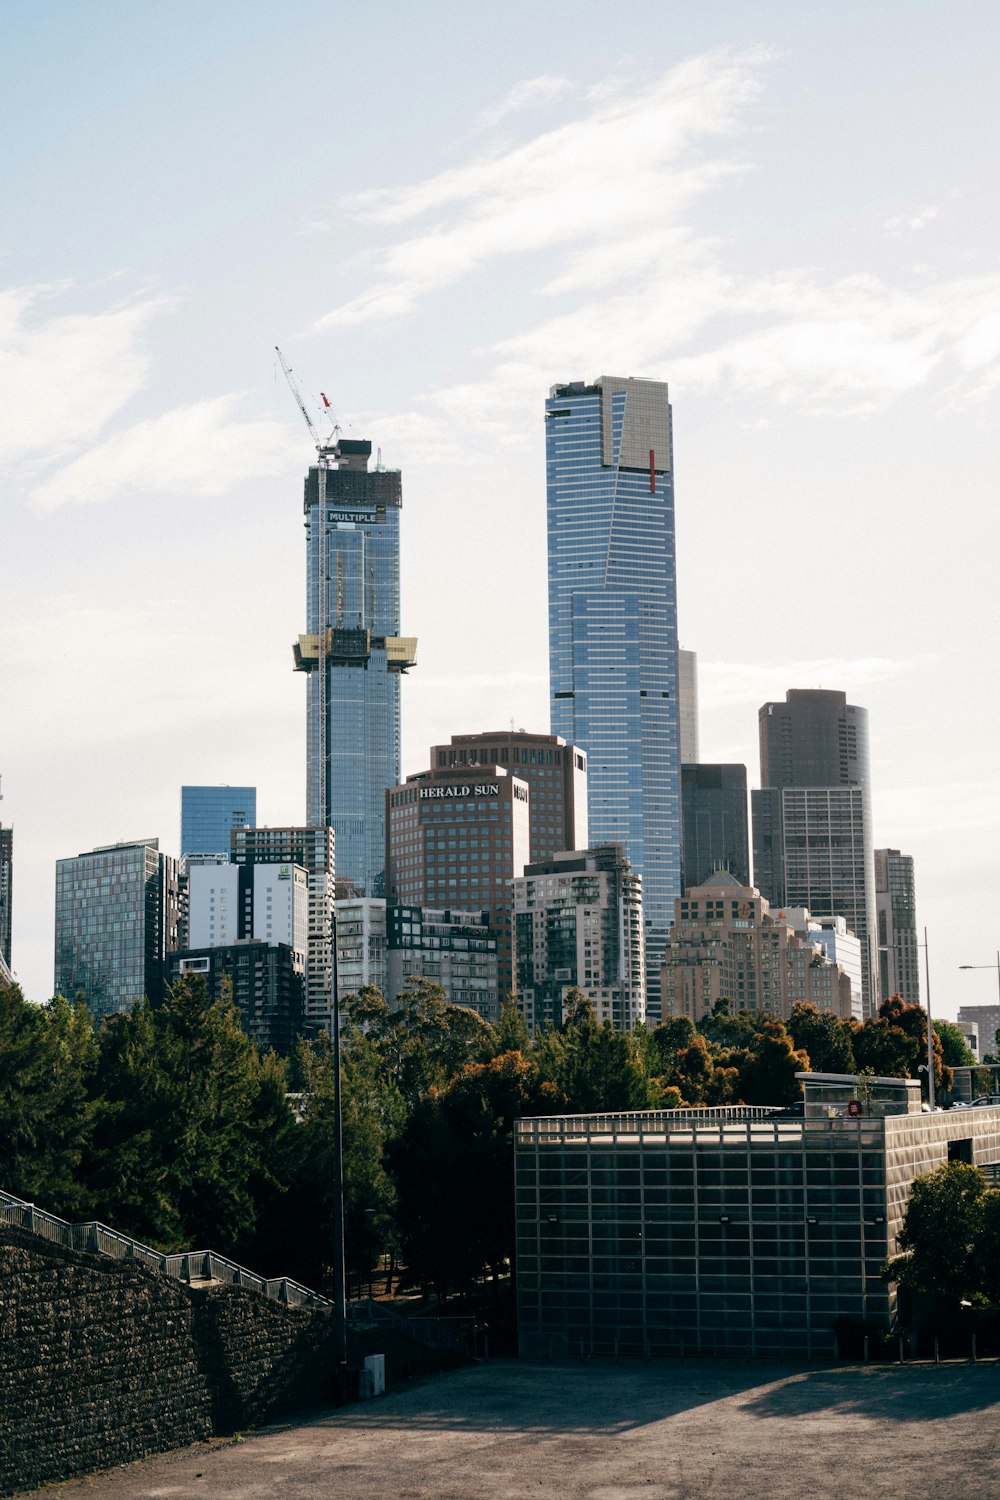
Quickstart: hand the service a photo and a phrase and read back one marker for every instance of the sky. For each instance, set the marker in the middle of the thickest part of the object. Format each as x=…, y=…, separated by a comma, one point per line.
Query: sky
x=788, y=211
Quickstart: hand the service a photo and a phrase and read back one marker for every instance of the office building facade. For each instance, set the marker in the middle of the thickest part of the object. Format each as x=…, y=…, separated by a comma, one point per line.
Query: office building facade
x=457, y=950
x=613, y=624
x=578, y=925
x=6, y=893
x=456, y=840
x=812, y=818
x=715, y=822
x=208, y=816
x=896, y=908
x=353, y=655
x=730, y=1232
x=117, y=915
x=727, y=944
x=313, y=849
x=555, y=772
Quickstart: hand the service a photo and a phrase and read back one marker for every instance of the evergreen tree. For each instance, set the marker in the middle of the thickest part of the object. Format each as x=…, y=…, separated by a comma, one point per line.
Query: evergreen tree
x=47, y=1057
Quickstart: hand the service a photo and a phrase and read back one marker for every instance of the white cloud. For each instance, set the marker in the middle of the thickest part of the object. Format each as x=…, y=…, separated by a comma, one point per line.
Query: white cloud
x=900, y=223
x=64, y=375
x=605, y=203
x=726, y=684
x=626, y=168
x=526, y=95
x=201, y=449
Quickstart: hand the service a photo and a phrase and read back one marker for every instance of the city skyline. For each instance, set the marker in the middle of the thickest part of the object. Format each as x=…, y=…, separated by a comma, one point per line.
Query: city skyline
x=491, y=223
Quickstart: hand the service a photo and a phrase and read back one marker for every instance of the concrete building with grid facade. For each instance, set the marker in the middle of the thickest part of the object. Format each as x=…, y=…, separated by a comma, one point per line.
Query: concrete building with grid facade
x=732, y=1231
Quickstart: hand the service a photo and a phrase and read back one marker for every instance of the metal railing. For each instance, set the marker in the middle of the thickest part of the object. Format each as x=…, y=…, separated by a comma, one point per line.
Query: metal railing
x=441, y=1333
x=191, y=1266
x=641, y=1122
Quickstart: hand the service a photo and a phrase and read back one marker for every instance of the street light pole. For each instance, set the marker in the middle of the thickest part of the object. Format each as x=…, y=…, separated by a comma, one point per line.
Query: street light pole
x=930, y=1025
x=987, y=966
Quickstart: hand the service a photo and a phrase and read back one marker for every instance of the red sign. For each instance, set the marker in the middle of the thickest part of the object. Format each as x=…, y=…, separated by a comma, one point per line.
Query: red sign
x=854, y=1108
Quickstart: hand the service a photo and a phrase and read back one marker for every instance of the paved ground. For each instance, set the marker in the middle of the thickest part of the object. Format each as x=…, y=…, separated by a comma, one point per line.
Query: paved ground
x=696, y=1430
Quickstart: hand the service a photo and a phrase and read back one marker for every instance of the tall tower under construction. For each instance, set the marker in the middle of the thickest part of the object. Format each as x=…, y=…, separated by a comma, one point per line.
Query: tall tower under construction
x=353, y=654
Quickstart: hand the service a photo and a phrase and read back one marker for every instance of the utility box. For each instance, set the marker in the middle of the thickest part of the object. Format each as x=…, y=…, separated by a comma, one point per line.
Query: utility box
x=372, y=1381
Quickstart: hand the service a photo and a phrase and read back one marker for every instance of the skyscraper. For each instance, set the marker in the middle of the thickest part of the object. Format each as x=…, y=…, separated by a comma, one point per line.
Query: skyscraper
x=116, y=920
x=896, y=904
x=6, y=889
x=208, y=816
x=313, y=849
x=353, y=654
x=812, y=818
x=687, y=699
x=555, y=772
x=715, y=818
x=613, y=624
x=456, y=839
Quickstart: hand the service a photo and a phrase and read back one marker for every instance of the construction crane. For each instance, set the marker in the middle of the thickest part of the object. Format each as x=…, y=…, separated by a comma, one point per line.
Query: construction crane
x=320, y=796
x=324, y=449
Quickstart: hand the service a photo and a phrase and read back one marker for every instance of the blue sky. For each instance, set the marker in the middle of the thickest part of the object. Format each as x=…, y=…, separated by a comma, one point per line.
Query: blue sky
x=787, y=211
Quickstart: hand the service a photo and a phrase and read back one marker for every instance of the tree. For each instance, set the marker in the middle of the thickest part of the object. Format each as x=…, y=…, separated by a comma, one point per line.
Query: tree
x=192, y=1122
x=453, y=1168
x=943, y=1235
x=826, y=1039
x=727, y=1028
x=594, y=1066
x=768, y=1074
x=955, y=1050
x=47, y=1057
x=884, y=1050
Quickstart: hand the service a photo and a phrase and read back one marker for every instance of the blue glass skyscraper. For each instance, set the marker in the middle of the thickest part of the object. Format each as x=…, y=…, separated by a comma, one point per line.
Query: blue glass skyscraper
x=208, y=816
x=613, y=624
x=354, y=654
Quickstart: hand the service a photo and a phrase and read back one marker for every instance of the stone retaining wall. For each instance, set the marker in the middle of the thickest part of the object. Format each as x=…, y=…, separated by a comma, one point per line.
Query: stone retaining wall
x=103, y=1361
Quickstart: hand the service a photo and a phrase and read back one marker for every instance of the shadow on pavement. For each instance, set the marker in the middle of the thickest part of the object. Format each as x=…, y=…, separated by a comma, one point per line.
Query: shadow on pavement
x=900, y=1393
x=607, y=1397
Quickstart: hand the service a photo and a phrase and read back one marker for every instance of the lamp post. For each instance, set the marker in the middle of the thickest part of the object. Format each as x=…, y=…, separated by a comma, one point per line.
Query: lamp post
x=930, y=1023
x=987, y=966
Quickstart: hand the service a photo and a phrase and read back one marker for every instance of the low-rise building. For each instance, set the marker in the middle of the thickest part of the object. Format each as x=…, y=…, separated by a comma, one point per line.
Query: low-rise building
x=730, y=1231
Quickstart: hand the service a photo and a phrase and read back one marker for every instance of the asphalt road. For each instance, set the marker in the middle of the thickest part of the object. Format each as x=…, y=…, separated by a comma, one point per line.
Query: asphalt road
x=662, y=1430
